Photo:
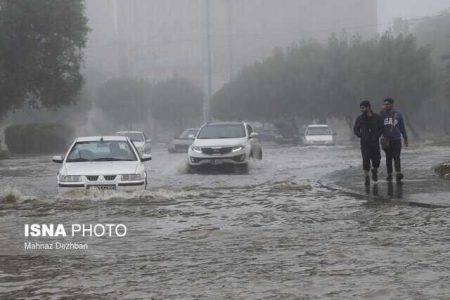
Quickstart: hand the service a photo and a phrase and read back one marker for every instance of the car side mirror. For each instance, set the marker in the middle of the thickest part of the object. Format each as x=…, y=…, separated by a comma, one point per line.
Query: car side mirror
x=57, y=159
x=191, y=137
x=146, y=157
x=148, y=141
x=253, y=135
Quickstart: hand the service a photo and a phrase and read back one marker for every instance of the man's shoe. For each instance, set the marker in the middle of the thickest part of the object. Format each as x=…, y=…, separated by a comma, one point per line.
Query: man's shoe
x=367, y=180
x=374, y=175
x=399, y=177
x=389, y=177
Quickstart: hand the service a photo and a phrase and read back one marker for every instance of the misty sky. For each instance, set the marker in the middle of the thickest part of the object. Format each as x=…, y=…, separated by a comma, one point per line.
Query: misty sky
x=390, y=9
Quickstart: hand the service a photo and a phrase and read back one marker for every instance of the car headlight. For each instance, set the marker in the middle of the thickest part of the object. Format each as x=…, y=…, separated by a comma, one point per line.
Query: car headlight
x=69, y=178
x=237, y=148
x=132, y=177
x=196, y=149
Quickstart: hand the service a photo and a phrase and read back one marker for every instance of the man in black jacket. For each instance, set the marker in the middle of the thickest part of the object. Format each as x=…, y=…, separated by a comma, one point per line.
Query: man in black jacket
x=368, y=128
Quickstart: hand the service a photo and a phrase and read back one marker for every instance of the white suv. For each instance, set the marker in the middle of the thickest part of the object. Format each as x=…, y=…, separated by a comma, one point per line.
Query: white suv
x=219, y=143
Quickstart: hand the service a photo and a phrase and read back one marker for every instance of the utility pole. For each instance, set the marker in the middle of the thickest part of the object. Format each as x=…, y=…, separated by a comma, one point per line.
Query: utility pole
x=207, y=100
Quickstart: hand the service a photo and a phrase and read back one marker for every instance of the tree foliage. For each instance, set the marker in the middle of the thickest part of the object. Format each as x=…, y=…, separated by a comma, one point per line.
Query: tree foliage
x=177, y=100
x=315, y=81
x=125, y=100
x=128, y=101
x=40, y=52
x=435, y=32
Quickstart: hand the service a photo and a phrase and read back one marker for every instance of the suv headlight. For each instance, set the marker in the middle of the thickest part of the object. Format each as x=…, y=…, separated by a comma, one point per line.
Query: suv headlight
x=237, y=148
x=132, y=177
x=196, y=149
x=69, y=178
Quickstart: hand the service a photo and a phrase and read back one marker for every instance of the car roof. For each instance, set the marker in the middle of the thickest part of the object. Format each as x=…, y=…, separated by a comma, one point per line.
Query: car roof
x=98, y=138
x=318, y=125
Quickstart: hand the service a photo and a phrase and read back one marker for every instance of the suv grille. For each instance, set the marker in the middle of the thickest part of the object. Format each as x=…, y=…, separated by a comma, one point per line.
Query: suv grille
x=92, y=178
x=219, y=150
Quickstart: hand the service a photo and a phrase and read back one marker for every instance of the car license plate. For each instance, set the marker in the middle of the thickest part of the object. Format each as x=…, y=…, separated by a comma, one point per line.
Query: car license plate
x=102, y=187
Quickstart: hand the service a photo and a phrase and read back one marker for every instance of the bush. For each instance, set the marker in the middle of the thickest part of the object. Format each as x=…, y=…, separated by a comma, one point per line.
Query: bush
x=38, y=138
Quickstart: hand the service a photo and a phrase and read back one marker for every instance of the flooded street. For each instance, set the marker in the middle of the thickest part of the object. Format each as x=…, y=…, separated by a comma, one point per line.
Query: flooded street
x=278, y=232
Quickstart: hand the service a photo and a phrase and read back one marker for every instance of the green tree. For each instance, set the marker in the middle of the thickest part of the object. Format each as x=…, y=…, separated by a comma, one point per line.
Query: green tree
x=435, y=33
x=405, y=72
x=41, y=46
x=126, y=101
x=313, y=81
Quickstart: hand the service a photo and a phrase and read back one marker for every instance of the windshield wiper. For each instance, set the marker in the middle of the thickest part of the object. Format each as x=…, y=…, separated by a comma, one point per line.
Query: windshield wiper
x=112, y=159
x=78, y=160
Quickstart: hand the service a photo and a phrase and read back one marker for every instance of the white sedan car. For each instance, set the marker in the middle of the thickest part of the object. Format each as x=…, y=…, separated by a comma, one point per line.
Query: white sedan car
x=139, y=139
x=103, y=163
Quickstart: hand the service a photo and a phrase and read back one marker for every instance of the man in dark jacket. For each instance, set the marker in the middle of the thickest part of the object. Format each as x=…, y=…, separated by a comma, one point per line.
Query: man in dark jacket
x=369, y=127
x=393, y=130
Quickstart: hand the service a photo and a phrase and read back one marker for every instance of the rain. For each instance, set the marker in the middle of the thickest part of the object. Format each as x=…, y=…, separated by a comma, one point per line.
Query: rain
x=224, y=149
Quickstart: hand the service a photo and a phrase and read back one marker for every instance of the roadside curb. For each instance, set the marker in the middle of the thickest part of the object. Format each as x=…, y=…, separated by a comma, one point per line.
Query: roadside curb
x=377, y=198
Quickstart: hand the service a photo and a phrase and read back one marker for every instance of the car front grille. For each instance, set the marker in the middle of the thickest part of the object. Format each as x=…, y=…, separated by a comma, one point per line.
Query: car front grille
x=218, y=150
x=238, y=158
x=109, y=177
x=92, y=178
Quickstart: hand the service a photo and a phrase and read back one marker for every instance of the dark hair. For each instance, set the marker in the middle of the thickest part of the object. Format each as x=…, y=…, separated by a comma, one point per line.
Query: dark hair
x=390, y=100
x=365, y=103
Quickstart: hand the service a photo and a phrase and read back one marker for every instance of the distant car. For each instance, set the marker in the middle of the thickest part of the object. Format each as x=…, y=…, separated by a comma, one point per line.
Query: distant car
x=269, y=135
x=142, y=143
x=318, y=134
x=103, y=163
x=220, y=143
x=183, y=141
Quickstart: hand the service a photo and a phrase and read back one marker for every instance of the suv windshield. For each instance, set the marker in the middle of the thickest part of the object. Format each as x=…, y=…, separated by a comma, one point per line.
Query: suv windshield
x=101, y=151
x=318, y=131
x=222, y=132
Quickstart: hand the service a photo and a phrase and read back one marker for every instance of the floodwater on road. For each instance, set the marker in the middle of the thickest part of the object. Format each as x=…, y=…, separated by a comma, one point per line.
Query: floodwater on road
x=274, y=233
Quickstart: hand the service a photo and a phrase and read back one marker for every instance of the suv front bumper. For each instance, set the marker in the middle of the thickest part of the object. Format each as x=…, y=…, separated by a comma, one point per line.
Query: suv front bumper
x=218, y=160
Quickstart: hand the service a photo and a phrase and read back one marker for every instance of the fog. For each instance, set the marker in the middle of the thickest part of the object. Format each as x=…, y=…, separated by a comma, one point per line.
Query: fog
x=156, y=41
x=407, y=9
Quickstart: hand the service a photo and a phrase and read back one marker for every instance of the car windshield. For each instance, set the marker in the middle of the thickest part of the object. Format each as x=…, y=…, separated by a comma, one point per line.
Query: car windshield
x=187, y=133
x=101, y=151
x=134, y=136
x=222, y=131
x=318, y=131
